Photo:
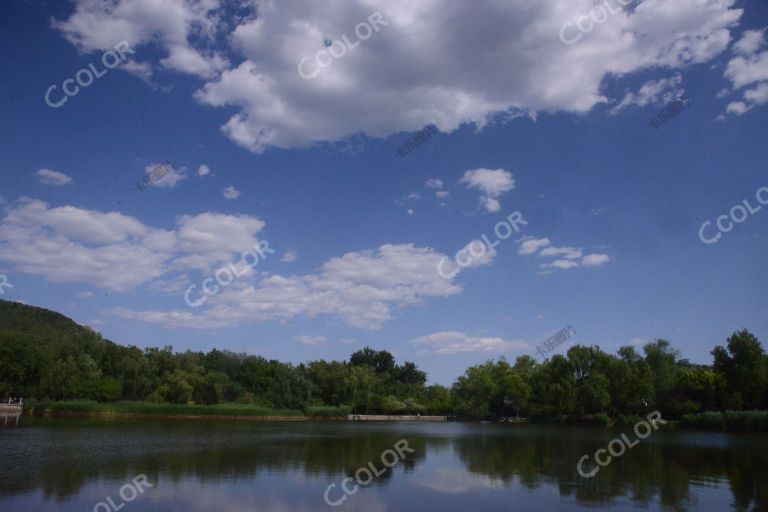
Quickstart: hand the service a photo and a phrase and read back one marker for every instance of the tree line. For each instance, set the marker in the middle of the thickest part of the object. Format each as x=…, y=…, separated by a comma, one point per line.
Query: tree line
x=46, y=356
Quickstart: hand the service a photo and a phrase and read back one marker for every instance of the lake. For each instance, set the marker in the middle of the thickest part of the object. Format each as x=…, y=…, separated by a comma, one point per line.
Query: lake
x=242, y=466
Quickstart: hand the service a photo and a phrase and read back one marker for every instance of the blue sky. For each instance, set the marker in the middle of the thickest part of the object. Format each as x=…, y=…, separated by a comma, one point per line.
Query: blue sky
x=527, y=123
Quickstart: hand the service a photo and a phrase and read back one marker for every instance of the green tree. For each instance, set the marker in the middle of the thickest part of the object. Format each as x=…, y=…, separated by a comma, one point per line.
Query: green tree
x=743, y=365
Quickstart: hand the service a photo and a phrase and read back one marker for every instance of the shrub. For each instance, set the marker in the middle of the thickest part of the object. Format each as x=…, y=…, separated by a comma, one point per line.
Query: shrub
x=326, y=411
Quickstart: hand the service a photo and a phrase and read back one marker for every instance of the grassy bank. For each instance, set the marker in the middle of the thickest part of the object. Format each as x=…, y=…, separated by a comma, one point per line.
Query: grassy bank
x=737, y=421
x=89, y=407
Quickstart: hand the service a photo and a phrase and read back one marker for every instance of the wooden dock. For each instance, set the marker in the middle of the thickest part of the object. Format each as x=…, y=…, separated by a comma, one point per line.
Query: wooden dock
x=394, y=417
x=10, y=414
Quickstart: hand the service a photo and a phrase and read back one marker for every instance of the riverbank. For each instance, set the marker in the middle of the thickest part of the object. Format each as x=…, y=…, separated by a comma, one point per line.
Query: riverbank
x=727, y=421
x=182, y=411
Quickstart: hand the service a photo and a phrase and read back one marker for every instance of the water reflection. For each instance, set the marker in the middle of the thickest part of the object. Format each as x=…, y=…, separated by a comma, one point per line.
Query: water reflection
x=72, y=464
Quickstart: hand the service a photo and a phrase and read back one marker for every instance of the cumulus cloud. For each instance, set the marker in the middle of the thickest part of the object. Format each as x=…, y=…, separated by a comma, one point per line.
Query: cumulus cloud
x=380, y=87
x=54, y=178
x=492, y=183
x=289, y=257
x=203, y=170
x=115, y=251
x=171, y=24
x=360, y=288
x=455, y=342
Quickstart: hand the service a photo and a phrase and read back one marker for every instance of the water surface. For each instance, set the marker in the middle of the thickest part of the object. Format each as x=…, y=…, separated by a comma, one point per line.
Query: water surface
x=242, y=466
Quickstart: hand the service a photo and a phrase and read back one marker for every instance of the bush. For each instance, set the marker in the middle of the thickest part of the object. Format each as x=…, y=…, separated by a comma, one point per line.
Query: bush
x=728, y=420
x=327, y=411
x=602, y=419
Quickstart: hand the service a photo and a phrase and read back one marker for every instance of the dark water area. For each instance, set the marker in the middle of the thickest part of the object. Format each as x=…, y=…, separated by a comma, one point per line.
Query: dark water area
x=93, y=465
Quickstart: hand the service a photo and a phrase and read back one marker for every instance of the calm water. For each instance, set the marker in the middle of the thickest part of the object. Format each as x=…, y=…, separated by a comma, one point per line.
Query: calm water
x=71, y=465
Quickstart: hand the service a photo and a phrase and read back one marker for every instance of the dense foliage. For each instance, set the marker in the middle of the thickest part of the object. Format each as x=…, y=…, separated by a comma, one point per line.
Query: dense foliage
x=46, y=356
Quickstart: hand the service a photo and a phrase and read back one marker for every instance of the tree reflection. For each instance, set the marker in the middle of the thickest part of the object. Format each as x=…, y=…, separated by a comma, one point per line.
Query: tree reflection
x=62, y=458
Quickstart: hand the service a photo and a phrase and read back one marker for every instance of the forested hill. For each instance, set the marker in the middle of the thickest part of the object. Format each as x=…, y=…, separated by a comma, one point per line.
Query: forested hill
x=47, y=356
x=43, y=324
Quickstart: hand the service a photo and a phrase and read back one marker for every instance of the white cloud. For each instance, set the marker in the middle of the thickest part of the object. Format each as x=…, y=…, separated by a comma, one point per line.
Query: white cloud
x=595, y=260
x=170, y=24
x=310, y=340
x=54, y=178
x=492, y=183
x=568, y=252
x=455, y=342
x=85, y=295
x=114, y=251
x=169, y=176
x=750, y=42
x=748, y=67
x=381, y=87
x=480, y=254
x=289, y=257
x=203, y=170
x=438, y=185
x=231, y=192
x=662, y=91
x=360, y=288
x=532, y=245
x=562, y=264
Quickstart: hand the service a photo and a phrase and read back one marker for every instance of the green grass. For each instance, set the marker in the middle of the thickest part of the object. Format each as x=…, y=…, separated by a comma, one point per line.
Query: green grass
x=325, y=411
x=150, y=408
x=728, y=420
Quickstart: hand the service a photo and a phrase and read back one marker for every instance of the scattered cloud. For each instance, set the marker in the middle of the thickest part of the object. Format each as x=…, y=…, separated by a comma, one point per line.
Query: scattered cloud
x=568, y=252
x=310, y=340
x=203, y=170
x=561, y=264
x=289, y=257
x=231, y=192
x=85, y=295
x=170, y=175
x=595, y=260
x=455, y=342
x=748, y=67
x=567, y=257
x=660, y=92
x=532, y=245
x=53, y=178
